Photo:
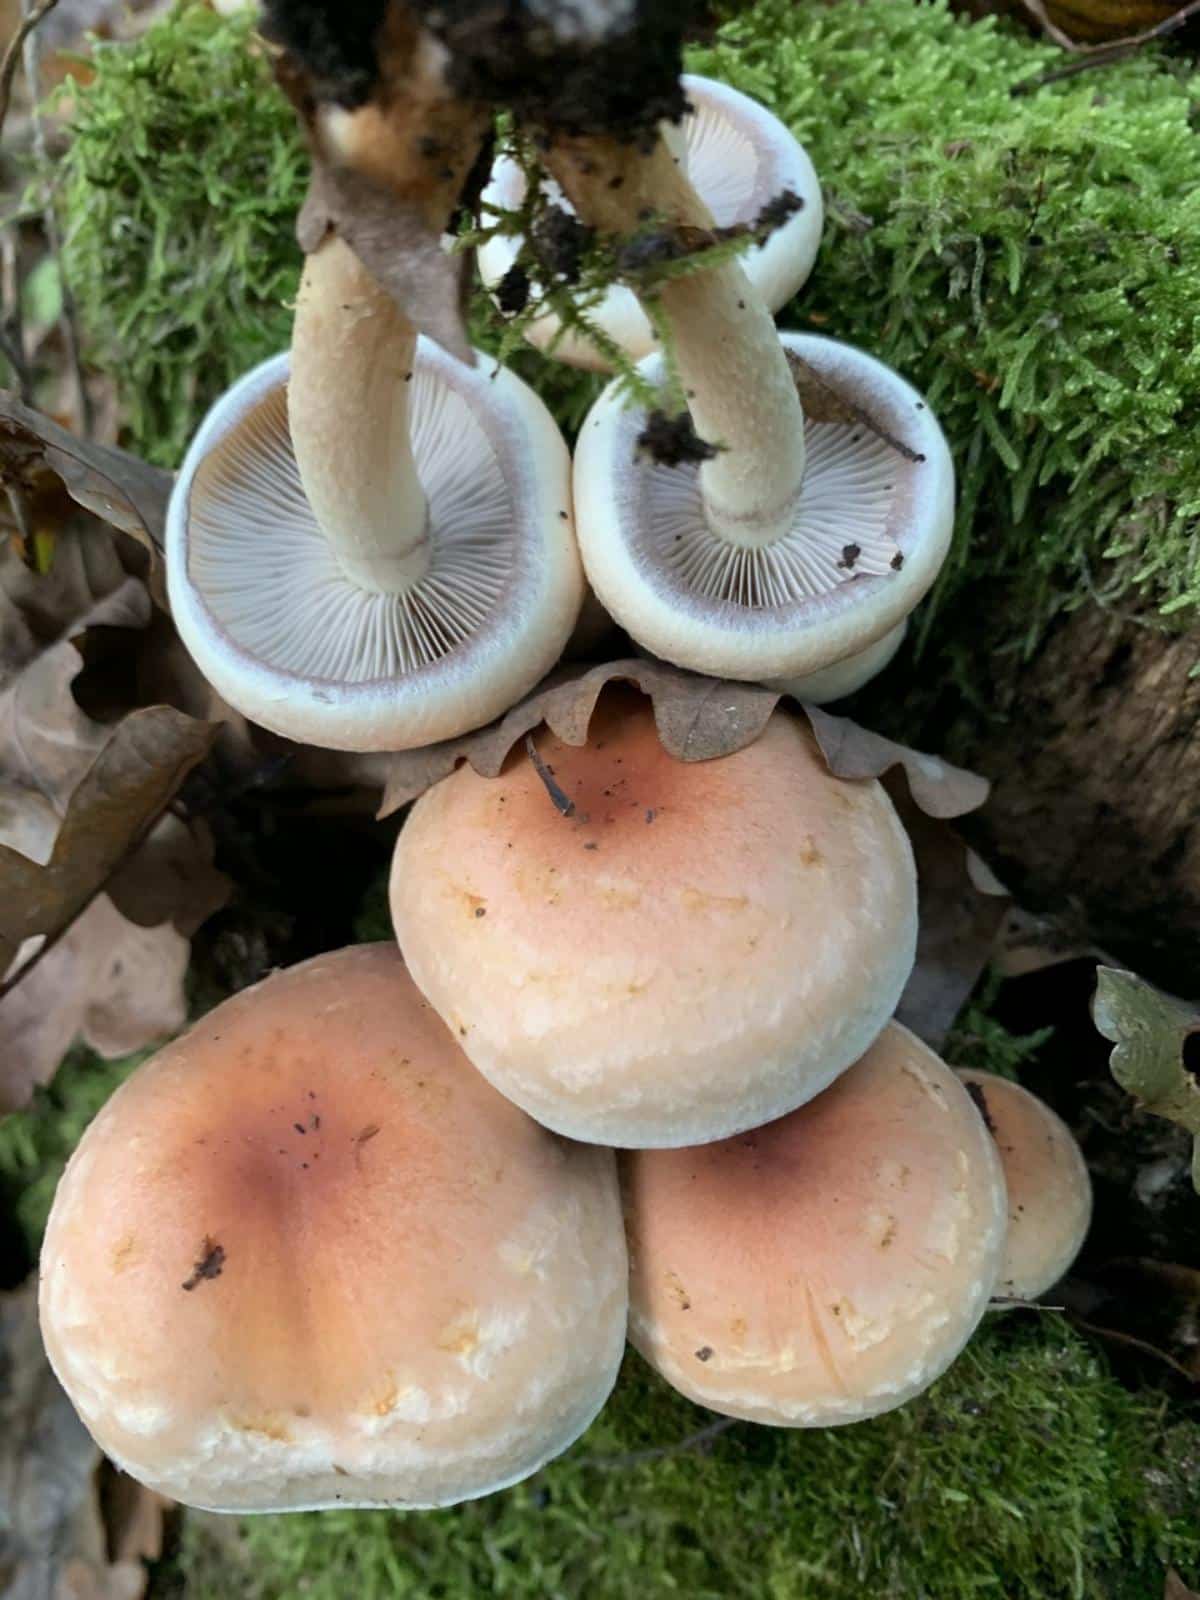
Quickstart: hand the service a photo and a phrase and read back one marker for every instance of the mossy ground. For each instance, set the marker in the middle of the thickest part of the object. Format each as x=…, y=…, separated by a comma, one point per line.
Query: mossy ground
x=1032, y=261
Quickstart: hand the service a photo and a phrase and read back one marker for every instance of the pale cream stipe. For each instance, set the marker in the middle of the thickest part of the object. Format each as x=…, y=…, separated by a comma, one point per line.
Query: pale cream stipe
x=1049, y=1190
x=306, y=1257
x=697, y=948
x=739, y=157
x=827, y=1267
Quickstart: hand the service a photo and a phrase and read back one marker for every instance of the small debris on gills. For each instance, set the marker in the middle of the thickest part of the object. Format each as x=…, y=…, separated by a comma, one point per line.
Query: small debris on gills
x=512, y=292
x=209, y=1264
x=897, y=561
x=975, y=1090
x=850, y=555
x=559, y=241
x=777, y=211
x=672, y=441
x=562, y=802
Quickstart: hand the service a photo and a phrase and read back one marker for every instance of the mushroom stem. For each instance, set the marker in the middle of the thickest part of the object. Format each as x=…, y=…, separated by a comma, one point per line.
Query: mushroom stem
x=740, y=391
x=352, y=357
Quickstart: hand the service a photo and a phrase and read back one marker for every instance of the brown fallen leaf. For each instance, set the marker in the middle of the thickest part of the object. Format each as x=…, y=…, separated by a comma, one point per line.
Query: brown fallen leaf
x=170, y=878
x=1135, y=1303
x=53, y=1540
x=47, y=742
x=123, y=792
x=822, y=403
x=116, y=487
x=1176, y=1589
x=698, y=719
x=961, y=909
x=116, y=986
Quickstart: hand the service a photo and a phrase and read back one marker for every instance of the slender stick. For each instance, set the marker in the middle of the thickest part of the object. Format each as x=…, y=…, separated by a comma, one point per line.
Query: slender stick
x=13, y=51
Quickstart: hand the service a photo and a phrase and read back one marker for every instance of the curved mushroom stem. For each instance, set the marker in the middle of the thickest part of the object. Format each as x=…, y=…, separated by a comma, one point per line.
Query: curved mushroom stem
x=740, y=391
x=352, y=357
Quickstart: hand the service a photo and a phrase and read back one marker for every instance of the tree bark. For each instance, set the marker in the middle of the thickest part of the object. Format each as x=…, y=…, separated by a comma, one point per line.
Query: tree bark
x=1095, y=811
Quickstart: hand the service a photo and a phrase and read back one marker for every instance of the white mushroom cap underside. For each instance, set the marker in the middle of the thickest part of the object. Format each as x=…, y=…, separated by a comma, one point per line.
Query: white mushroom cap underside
x=282, y=632
x=830, y=1266
x=739, y=157
x=869, y=536
x=421, y=1296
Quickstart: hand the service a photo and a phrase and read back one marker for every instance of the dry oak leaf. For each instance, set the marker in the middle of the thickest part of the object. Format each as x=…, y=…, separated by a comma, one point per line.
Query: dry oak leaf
x=1157, y=1049
x=1176, y=1589
x=53, y=1541
x=116, y=986
x=47, y=742
x=118, y=488
x=129, y=784
x=698, y=719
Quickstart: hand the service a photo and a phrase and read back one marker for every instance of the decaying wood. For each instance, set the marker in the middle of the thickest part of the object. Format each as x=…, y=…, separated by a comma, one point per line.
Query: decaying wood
x=1096, y=800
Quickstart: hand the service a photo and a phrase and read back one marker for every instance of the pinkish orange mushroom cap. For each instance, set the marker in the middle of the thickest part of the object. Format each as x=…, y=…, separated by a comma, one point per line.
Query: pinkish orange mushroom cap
x=307, y=1257
x=829, y=1266
x=1049, y=1191
x=695, y=948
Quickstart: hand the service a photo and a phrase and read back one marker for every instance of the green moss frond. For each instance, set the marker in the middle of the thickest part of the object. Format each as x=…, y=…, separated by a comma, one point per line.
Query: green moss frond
x=1032, y=261
x=179, y=192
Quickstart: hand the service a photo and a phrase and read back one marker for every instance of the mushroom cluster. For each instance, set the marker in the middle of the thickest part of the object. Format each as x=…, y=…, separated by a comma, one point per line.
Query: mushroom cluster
x=360, y=1237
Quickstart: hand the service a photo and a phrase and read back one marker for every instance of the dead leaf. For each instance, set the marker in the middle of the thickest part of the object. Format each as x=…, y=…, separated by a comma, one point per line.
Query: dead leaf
x=698, y=719
x=1176, y=1589
x=821, y=402
x=170, y=878
x=1157, y=1054
x=1135, y=1303
x=116, y=986
x=53, y=1543
x=47, y=742
x=957, y=926
x=129, y=784
x=118, y=488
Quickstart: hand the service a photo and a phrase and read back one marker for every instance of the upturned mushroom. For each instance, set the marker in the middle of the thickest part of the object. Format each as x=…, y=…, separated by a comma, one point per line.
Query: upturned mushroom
x=641, y=951
x=746, y=167
x=306, y=1257
x=371, y=546
x=1049, y=1190
x=739, y=540
x=828, y=1267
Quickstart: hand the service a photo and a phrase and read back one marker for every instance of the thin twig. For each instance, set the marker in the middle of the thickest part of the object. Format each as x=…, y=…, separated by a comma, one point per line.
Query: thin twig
x=1087, y=56
x=563, y=803
x=13, y=50
x=12, y=331
x=635, y=1458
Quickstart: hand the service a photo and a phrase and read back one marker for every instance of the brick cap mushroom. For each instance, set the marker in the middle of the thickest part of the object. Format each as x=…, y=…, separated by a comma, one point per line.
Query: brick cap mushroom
x=828, y=1267
x=306, y=1257
x=1049, y=1190
x=642, y=951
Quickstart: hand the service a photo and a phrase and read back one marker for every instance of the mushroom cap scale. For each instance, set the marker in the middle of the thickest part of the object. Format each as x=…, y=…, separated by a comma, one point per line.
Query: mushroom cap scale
x=697, y=948
x=280, y=630
x=1049, y=1190
x=740, y=157
x=869, y=535
x=828, y=1267
x=307, y=1257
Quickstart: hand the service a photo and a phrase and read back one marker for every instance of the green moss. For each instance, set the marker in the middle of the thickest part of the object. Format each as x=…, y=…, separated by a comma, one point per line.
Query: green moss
x=1031, y=261
x=36, y=1142
x=1026, y=1472
x=978, y=1040
x=179, y=192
